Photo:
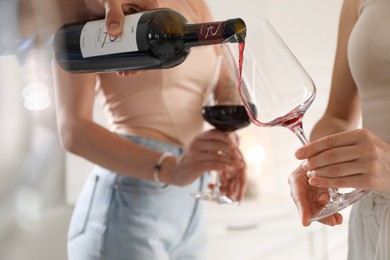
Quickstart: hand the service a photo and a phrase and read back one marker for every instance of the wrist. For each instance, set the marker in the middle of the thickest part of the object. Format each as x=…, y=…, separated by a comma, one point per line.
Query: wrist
x=161, y=170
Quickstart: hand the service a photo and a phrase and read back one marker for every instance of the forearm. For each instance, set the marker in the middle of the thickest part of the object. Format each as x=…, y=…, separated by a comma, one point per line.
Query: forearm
x=109, y=150
x=328, y=125
x=75, y=95
x=343, y=109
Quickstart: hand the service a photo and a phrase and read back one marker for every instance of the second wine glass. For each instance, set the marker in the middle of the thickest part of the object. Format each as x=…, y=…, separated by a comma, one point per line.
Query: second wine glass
x=224, y=110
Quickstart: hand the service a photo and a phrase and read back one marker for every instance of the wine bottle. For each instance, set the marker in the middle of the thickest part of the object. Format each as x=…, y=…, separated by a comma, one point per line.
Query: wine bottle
x=155, y=39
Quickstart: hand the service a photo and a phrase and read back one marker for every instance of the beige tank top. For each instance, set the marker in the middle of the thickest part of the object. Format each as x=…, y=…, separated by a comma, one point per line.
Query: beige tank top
x=369, y=58
x=163, y=103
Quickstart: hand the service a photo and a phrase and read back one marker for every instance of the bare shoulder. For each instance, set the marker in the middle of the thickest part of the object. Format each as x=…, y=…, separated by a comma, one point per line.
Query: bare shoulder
x=353, y=5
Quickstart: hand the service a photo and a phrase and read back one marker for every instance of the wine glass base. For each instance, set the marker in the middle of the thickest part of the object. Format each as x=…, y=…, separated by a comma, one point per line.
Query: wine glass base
x=339, y=203
x=217, y=197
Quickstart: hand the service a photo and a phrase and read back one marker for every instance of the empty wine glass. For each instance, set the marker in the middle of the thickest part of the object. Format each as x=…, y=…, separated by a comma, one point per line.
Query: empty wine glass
x=276, y=91
x=223, y=109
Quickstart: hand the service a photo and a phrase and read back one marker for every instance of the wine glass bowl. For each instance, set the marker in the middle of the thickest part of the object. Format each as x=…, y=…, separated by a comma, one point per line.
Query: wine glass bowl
x=226, y=118
x=275, y=87
x=276, y=90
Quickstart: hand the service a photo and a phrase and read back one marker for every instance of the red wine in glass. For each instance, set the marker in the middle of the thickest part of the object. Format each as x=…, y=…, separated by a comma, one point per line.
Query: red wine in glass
x=226, y=118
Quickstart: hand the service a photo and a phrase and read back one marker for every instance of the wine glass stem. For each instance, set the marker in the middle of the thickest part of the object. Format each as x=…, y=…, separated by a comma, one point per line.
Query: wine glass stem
x=333, y=193
x=217, y=182
x=298, y=130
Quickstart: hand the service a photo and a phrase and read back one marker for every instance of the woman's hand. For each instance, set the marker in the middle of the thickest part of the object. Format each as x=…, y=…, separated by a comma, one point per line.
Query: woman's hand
x=354, y=159
x=210, y=150
x=309, y=199
x=114, y=11
x=233, y=183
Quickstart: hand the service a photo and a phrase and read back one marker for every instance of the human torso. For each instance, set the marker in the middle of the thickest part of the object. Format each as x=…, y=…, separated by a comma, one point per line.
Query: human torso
x=163, y=104
x=369, y=58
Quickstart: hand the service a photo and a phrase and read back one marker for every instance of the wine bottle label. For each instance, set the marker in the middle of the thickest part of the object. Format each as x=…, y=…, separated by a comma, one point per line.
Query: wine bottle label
x=95, y=41
x=210, y=33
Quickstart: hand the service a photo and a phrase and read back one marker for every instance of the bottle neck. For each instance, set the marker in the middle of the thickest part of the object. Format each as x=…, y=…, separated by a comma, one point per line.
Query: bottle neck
x=211, y=33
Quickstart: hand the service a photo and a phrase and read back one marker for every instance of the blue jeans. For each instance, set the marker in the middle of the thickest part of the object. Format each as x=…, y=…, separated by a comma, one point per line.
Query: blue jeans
x=118, y=217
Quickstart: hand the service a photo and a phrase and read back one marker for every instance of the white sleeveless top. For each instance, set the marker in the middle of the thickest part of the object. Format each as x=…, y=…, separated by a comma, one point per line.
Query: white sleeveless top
x=369, y=59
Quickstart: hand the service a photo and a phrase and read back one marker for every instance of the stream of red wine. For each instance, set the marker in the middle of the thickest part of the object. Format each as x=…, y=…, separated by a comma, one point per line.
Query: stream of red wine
x=241, y=48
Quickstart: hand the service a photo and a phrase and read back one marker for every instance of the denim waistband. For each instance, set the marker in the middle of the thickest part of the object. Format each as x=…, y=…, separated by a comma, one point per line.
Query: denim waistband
x=154, y=144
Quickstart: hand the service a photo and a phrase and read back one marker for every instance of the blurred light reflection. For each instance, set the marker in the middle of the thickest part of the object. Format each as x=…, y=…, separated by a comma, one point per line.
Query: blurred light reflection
x=36, y=96
x=256, y=154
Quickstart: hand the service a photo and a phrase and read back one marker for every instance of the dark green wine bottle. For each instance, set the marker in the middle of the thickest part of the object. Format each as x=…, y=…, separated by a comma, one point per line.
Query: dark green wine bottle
x=155, y=39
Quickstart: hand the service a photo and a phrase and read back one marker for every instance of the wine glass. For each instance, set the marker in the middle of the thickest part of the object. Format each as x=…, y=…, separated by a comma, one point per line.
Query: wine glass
x=223, y=109
x=276, y=91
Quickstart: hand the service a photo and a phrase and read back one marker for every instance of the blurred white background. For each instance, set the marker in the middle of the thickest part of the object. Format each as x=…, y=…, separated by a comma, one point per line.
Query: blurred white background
x=40, y=182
